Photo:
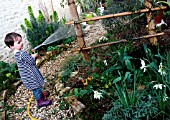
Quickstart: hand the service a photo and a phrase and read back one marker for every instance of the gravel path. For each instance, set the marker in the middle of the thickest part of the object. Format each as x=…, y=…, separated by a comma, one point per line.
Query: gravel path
x=49, y=70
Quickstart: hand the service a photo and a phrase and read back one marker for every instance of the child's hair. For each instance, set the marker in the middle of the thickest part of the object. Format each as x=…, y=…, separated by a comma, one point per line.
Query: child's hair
x=10, y=38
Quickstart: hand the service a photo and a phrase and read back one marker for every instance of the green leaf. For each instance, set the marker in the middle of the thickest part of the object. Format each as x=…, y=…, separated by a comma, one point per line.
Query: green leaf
x=128, y=65
x=112, y=68
x=127, y=57
x=83, y=92
x=117, y=79
x=153, y=65
x=75, y=92
x=8, y=74
x=127, y=76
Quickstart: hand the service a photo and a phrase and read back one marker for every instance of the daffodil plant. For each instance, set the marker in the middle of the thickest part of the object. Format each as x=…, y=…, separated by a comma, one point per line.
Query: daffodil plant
x=159, y=90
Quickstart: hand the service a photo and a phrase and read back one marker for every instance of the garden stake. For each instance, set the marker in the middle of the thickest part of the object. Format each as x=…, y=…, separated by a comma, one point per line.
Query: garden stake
x=28, y=109
x=78, y=28
x=99, y=45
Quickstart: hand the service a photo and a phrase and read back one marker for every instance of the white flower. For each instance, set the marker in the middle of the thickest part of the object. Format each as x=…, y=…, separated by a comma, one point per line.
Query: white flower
x=160, y=68
x=162, y=23
x=161, y=71
x=97, y=95
x=101, y=9
x=165, y=97
x=103, y=38
x=143, y=65
x=105, y=62
x=158, y=86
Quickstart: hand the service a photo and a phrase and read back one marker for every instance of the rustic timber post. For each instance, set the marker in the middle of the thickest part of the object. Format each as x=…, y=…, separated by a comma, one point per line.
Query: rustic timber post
x=151, y=22
x=78, y=28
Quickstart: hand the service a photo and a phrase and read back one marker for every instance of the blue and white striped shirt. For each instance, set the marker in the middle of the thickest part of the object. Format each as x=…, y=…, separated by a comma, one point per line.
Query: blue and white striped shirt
x=30, y=74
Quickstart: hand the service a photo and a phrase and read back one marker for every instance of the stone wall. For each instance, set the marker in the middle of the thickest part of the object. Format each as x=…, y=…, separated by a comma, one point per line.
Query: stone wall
x=13, y=13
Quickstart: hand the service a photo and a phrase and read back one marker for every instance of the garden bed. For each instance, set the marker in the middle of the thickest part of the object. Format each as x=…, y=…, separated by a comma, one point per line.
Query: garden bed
x=103, y=77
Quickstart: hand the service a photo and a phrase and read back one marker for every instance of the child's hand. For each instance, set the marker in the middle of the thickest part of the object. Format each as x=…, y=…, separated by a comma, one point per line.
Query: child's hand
x=35, y=55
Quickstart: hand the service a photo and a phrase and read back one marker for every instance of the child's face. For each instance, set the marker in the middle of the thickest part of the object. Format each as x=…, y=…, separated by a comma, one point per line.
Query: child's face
x=18, y=44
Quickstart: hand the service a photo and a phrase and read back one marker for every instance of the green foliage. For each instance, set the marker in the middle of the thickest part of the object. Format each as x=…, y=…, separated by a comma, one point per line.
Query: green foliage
x=127, y=105
x=23, y=28
x=54, y=22
x=7, y=107
x=8, y=74
x=55, y=16
x=28, y=24
x=30, y=11
x=142, y=110
x=68, y=40
x=63, y=20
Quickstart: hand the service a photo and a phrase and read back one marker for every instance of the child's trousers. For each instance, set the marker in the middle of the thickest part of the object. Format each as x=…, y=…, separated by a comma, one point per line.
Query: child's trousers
x=37, y=93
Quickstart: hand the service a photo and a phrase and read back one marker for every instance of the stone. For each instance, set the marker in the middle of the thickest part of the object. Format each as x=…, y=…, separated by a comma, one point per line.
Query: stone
x=73, y=74
x=75, y=104
x=3, y=115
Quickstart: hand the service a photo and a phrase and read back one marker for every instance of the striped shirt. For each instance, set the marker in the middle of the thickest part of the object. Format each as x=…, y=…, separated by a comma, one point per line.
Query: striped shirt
x=30, y=74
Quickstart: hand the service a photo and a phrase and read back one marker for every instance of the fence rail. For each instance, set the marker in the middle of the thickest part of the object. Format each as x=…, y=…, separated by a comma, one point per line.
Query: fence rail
x=117, y=15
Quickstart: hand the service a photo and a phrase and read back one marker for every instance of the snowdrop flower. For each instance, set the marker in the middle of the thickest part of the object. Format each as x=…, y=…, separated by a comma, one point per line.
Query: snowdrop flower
x=162, y=23
x=143, y=65
x=165, y=97
x=103, y=38
x=158, y=86
x=97, y=95
x=105, y=62
x=101, y=9
x=161, y=71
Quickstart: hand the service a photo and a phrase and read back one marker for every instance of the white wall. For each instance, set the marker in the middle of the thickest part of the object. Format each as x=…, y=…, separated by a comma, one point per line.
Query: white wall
x=12, y=14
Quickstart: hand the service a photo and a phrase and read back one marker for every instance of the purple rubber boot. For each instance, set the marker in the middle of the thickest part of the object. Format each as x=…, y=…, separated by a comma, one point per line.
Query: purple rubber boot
x=41, y=102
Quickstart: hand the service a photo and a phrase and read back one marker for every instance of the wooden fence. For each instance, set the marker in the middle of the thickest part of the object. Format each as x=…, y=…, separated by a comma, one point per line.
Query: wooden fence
x=151, y=25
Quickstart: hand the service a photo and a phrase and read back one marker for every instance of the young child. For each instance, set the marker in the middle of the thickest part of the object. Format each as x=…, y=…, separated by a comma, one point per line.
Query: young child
x=30, y=75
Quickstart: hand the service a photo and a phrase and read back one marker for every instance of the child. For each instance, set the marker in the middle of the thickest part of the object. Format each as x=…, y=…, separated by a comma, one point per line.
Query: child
x=30, y=75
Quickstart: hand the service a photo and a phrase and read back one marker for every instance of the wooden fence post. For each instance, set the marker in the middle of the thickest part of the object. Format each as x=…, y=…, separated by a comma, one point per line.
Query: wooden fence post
x=78, y=28
x=151, y=23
